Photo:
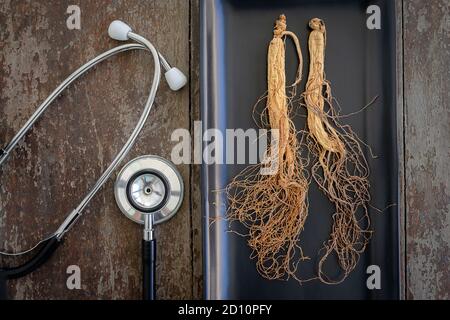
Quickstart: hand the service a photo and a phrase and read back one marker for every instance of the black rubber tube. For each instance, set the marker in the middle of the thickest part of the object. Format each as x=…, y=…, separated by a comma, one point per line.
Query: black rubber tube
x=45, y=252
x=149, y=269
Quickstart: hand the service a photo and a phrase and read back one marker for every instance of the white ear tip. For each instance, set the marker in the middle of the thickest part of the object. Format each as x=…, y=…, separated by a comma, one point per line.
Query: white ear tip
x=176, y=79
x=119, y=30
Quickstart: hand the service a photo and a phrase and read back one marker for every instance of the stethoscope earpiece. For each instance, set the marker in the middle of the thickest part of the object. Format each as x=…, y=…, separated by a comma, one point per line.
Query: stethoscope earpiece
x=119, y=30
x=175, y=79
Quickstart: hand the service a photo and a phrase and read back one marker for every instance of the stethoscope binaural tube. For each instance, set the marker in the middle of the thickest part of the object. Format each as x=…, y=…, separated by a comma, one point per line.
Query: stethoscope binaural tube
x=49, y=245
x=75, y=214
x=121, y=31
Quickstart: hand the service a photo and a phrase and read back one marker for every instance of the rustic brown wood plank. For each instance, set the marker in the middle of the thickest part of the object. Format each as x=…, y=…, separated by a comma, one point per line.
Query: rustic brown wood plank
x=196, y=212
x=427, y=135
x=63, y=155
x=400, y=143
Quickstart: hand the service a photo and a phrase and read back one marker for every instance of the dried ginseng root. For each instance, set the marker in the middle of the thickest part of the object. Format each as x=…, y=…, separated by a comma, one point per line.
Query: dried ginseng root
x=273, y=205
x=341, y=170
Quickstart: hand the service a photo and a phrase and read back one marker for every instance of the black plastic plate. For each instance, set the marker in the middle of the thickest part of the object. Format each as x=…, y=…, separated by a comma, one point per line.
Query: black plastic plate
x=360, y=63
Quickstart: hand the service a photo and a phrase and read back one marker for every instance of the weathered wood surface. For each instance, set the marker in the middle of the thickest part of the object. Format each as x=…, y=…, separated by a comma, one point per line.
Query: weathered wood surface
x=68, y=149
x=196, y=212
x=427, y=152
x=400, y=143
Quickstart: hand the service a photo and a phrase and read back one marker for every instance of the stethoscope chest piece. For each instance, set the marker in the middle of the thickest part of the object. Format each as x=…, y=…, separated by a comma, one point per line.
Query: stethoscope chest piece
x=149, y=190
x=149, y=185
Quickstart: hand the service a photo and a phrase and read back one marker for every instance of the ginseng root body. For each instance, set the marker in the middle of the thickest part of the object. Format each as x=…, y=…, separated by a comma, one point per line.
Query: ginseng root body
x=272, y=205
x=340, y=169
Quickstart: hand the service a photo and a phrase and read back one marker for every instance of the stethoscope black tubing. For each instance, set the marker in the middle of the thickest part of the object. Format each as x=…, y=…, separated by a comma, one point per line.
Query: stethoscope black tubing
x=149, y=269
x=48, y=247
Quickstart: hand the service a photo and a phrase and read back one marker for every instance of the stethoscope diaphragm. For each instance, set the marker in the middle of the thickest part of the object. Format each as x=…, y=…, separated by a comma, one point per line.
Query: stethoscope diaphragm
x=149, y=185
x=147, y=191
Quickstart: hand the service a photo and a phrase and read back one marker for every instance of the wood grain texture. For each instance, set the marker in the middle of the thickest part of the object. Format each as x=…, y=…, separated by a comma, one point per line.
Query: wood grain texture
x=196, y=212
x=401, y=145
x=427, y=152
x=68, y=149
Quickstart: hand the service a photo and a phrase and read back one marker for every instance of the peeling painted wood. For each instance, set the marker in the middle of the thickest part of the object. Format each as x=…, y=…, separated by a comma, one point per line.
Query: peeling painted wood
x=67, y=150
x=427, y=136
x=196, y=212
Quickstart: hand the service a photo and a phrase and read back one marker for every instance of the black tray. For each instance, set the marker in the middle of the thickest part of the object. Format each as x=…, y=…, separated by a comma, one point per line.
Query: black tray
x=360, y=63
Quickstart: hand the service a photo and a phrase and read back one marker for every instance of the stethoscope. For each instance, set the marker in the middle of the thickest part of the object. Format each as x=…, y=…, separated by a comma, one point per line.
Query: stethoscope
x=117, y=30
x=149, y=191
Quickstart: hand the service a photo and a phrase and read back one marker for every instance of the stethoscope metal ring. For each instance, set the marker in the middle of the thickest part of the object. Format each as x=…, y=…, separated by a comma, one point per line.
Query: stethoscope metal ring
x=149, y=185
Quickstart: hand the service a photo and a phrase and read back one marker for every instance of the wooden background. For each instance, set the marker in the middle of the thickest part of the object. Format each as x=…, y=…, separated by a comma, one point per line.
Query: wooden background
x=66, y=151
x=426, y=60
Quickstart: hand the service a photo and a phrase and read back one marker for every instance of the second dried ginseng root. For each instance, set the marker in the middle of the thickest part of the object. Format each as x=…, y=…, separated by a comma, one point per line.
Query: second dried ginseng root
x=341, y=170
